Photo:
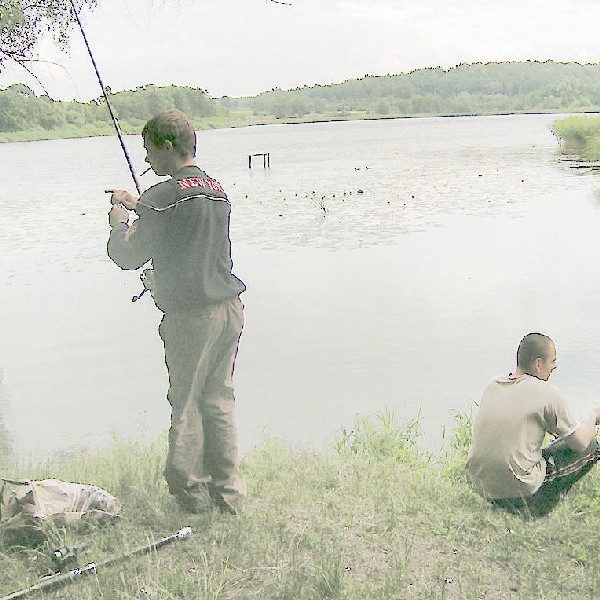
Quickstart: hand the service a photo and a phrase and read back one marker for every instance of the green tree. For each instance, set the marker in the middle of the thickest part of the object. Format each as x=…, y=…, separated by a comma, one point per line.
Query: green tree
x=13, y=111
x=22, y=22
x=382, y=107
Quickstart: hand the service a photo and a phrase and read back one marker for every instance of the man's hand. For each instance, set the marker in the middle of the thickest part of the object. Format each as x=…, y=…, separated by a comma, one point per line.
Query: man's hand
x=123, y=197
x=583, y=436
x=117, y=214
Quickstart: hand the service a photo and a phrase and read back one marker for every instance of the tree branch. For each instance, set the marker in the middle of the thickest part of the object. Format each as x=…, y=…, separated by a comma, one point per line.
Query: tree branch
x=21, y=61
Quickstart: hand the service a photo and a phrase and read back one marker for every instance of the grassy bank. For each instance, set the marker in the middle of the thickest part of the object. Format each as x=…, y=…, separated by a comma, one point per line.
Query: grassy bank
x=233, y=120
x=372, y=519
x=101, y=128
x=580, y=136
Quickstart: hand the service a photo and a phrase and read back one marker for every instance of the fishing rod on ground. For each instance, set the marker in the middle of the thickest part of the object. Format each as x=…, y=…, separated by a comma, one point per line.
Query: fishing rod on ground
x=108, y=104
x=56, y=581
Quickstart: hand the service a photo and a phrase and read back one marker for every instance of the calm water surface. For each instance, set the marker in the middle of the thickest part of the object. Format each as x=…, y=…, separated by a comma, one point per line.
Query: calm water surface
x=390, y=265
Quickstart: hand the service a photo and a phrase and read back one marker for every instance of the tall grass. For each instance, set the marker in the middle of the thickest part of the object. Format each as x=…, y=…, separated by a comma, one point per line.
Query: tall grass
x=382, y=438
x=374, y=518
x=580, y=135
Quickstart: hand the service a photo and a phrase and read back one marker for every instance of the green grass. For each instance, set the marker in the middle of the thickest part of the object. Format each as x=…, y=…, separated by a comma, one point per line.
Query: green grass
x=239, y=118
x=580, y=135
x=374, y=518
x=242, y=118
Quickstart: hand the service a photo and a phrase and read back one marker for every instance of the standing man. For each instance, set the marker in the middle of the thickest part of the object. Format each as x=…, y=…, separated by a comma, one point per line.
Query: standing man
x=183, y=228
x=506, y=461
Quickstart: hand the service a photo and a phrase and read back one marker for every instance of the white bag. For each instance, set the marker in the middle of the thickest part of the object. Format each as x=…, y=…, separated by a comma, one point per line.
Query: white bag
x=26, y=505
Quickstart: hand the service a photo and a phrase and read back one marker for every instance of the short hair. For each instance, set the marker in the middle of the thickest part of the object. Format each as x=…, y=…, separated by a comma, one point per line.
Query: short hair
x=172, y=126
x=532, y=347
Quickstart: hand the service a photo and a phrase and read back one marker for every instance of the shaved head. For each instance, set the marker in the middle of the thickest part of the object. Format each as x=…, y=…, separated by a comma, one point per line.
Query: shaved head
x=532, y=347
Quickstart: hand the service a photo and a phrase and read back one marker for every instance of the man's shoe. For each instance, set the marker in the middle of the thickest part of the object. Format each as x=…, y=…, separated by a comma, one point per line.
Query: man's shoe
x=196, y=502
x=227, y=507
x=226, y=500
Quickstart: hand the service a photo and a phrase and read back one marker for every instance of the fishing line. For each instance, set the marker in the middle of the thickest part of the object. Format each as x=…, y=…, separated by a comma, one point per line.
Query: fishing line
x=110, y=110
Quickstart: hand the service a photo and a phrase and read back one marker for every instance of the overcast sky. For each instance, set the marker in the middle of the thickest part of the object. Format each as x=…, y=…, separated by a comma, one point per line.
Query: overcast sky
x=244, y=47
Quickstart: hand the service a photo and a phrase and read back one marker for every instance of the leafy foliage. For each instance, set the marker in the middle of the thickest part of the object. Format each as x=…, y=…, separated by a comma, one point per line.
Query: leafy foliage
x=21, y=109
x=492, y=88
x=22, y=22
x=478, y=88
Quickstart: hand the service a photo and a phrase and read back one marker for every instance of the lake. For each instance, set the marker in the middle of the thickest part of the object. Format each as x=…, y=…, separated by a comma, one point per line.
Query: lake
x=391, y=265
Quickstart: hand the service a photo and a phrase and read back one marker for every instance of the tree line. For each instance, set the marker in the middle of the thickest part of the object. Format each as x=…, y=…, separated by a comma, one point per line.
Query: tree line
x=467, y=89
x=37, y=117
x=478, y=88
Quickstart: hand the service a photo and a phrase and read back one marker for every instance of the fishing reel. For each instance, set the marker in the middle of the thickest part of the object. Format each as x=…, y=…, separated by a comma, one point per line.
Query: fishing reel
x=147, y=279
x=66, y=558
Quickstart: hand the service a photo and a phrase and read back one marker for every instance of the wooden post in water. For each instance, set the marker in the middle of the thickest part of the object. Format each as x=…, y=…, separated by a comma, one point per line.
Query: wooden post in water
x=266, y=159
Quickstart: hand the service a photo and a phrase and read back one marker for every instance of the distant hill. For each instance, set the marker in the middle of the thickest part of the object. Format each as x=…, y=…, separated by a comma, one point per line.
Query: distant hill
x=467, y=89
x=478, y=88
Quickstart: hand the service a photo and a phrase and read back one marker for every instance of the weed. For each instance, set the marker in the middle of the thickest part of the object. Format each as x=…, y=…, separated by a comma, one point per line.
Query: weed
x=382, y=438
x=374, y=519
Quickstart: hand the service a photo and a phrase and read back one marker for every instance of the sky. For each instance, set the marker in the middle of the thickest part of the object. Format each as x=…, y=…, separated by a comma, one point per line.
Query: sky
x=244, y=47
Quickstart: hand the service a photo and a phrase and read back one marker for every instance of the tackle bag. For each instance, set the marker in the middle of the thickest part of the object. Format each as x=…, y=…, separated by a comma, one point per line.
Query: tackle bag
x=27, y=507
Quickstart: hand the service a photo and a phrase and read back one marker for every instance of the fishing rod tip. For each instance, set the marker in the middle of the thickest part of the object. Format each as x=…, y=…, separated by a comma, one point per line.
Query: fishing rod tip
x=184, y=532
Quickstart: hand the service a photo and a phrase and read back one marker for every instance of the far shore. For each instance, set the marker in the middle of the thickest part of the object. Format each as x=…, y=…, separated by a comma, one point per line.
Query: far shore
x=240, y=120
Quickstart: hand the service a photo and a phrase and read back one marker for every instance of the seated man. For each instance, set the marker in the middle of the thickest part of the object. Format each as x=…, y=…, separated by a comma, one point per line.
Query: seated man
x=506, y=461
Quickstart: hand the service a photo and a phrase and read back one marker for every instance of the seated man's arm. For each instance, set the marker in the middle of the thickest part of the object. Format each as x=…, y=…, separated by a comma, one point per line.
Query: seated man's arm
x=582, y=437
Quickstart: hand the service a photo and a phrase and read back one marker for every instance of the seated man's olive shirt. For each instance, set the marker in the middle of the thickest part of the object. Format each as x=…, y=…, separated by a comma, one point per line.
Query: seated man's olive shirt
x=505, y=458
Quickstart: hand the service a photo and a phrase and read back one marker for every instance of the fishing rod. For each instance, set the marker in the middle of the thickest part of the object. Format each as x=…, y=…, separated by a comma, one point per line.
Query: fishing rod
x=110, y=110
x=56, y=581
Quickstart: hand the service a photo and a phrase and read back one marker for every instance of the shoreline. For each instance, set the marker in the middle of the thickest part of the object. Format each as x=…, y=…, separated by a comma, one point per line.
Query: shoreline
x=37, y=135
x=371, y=519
